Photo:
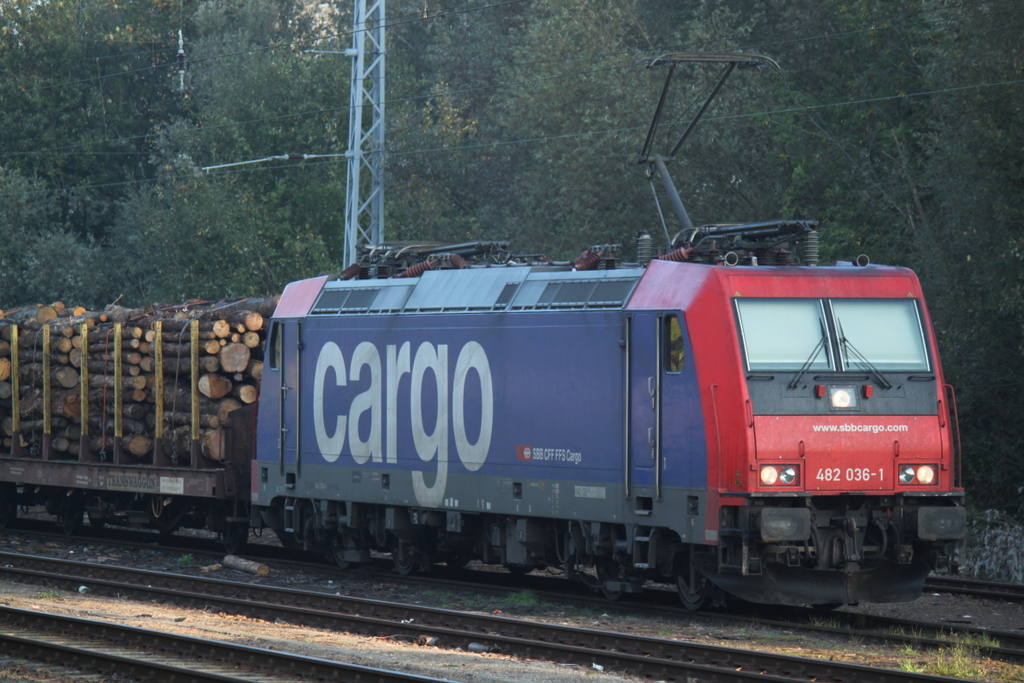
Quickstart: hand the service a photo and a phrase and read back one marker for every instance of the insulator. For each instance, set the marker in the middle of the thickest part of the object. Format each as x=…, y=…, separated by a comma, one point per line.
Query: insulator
x=419, y=269
x=782, y=257
x=811, y=248
x=644, y=248
x=586, y=261
x=458, y=262
x=350, y=272
x=681, y=254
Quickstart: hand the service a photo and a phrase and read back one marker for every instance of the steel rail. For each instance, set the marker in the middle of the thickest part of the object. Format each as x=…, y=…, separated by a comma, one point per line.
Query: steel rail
x=655, y=658
x=986, y=589
x=137, y=653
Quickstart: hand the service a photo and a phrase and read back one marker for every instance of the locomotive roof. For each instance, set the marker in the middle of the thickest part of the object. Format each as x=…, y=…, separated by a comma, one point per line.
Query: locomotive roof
x=543, y=288
x=502, y=288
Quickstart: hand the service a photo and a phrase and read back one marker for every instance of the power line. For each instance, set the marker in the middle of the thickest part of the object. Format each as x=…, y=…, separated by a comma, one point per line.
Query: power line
x=567, y=136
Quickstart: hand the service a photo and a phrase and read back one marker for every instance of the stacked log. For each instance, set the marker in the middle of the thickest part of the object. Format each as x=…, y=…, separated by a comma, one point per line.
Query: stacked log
x=123, y=360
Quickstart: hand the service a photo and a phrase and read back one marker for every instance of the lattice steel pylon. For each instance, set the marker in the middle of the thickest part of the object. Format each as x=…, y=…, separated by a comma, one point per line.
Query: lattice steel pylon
x=364, y=197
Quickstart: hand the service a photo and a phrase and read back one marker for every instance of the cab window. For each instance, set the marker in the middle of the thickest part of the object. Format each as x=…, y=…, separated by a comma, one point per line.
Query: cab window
x=275, y=345
x=784, y=334
x=675, y=355
x=880, y=333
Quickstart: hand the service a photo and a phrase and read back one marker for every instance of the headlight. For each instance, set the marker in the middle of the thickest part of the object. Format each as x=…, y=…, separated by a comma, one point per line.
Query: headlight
x=781, y=474
x=842, y=398
x=923, y=475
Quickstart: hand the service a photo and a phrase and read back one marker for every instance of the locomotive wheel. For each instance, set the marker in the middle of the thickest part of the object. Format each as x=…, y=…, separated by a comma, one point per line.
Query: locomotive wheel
x=458, y=560
x=695, y=598
x=287, y=539
x=404, y=566
x=610, y=570
x=406, y=558
x=337, y=552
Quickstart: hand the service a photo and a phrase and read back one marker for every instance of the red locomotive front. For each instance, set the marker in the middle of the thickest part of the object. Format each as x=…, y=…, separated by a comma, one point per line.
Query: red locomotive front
x=833, y=473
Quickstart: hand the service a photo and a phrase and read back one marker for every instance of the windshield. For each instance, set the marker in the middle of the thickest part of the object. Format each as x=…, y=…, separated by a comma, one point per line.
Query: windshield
x=783, y=334
x=886, y=333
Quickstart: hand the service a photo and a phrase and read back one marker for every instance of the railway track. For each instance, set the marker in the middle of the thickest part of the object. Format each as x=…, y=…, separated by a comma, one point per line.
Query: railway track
x=652, y=658
x=984, y=589
x=1009, y=645
x=127, y=653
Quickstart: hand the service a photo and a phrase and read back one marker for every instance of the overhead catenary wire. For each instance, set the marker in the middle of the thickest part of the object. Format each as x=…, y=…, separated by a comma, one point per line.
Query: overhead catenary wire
x=566, y=136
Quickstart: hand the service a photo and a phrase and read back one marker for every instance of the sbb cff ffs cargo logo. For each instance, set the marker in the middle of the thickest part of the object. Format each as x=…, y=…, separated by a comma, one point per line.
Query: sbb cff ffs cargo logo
x=524, y=453
x=380, y=400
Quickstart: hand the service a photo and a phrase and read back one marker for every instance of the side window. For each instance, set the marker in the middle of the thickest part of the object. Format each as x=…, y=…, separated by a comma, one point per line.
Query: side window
x=672, y=342
x=275, y=345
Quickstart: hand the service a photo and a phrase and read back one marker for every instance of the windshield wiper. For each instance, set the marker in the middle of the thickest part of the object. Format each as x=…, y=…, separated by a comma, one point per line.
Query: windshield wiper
x=848, y=349
x=813, y=357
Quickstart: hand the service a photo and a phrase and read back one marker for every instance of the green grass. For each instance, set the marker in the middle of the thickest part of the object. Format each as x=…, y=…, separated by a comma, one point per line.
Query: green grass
x=186, y=560
x=956, y=661
x=50, y=595
x=825, y=622
x=910, y=667
x=524, y=597
x=908, y=651
x=976, y=640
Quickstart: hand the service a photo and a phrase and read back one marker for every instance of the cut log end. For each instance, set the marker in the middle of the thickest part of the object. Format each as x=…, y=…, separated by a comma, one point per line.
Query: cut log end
x=248, y=566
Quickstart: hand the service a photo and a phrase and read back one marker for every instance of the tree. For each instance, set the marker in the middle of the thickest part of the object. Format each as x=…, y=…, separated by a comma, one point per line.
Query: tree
x=41, y=261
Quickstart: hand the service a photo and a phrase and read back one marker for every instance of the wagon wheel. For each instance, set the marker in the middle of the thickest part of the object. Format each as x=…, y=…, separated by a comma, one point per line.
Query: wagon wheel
x=236, y=536
x=71, y=520
x=72, y=511
x=696, y=597
x=8, y=512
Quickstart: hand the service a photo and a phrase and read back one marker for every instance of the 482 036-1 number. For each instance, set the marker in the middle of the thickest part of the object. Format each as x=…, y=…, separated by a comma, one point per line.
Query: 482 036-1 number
x=849, y=474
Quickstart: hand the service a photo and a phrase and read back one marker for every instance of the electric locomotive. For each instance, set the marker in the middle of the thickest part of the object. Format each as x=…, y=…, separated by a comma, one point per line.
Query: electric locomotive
x=724, y=414
x=780, y=433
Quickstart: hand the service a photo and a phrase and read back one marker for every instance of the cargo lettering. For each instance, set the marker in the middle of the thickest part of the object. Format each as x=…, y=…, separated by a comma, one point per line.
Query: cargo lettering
x=380, y=399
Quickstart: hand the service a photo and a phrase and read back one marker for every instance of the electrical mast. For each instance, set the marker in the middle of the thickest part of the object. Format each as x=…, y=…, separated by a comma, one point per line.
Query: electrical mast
x=364, y=198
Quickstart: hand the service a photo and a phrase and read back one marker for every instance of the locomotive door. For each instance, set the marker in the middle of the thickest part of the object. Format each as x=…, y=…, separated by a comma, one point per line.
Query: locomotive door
x=643, y=403
x=286, y=352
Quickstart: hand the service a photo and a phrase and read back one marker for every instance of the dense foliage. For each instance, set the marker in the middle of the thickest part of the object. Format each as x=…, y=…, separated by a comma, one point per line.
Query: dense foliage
x=899, y=125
